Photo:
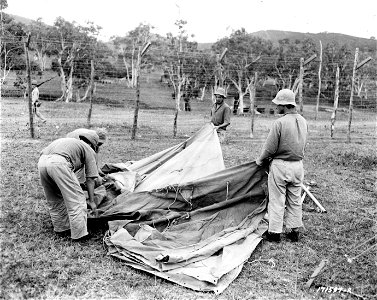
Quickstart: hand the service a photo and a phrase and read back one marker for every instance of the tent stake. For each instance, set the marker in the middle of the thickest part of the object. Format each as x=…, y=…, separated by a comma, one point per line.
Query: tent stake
x=316, y=273
x=313, y=198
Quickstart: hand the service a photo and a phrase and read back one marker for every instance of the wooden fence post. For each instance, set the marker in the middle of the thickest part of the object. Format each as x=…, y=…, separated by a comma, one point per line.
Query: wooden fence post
x=252, y=104
x=140, y=54
x=351, y=97
x=30, y=102
x=319, y=81
x=137, y=104
x=91, y=91
x=300, y=84
x=336, y=98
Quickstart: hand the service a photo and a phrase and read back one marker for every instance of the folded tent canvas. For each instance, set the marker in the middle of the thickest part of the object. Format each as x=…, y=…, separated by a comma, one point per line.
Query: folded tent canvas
x=190, y=220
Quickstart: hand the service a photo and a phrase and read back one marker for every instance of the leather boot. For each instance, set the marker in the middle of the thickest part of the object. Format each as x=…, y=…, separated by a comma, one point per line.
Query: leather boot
x=293, y=235
x=272, y=237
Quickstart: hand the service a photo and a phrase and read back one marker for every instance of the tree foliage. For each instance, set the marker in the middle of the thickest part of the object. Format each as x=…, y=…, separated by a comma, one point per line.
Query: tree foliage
x=74, y=46
x=11, y=46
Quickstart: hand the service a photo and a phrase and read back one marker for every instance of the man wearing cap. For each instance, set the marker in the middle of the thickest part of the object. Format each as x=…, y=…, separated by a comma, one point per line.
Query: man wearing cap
x=284, y=150
x=65, y=198
x=220, y=114
x=102, y=135
x=35, y=102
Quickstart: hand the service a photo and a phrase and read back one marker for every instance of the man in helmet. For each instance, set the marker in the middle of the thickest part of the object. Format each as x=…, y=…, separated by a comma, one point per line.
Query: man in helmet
x=65, y=198
x=220, y=114
x=35, y=101
x=102, y=135
x=284, y=150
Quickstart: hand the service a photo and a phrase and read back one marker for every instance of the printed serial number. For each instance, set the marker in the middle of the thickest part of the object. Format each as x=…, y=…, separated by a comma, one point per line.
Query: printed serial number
x=333, y=289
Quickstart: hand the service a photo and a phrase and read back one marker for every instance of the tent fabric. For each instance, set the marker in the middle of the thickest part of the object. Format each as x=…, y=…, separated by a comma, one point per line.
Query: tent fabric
x=197, y=157
x=190, y=220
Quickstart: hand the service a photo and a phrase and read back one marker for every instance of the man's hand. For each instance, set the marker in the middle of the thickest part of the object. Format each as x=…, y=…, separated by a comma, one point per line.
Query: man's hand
x=100, y=173
x=94, y=208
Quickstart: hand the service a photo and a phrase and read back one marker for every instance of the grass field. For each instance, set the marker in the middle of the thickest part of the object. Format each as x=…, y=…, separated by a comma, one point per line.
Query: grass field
x=37, y=264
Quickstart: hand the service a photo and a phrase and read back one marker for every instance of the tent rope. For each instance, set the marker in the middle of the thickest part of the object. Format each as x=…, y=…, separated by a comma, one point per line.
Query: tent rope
x=227, y=190
x=176, y=196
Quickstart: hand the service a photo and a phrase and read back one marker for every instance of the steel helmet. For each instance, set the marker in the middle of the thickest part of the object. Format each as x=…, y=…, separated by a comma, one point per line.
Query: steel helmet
x=285, y=97
x=102, y=134
x=220, y=91
x=92, y=138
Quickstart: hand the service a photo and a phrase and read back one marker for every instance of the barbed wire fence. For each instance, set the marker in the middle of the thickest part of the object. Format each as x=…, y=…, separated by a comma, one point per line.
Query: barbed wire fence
x=111, y=82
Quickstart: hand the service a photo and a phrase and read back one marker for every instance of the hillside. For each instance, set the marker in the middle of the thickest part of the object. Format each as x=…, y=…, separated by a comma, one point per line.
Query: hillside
x=20, y=19
x=276, y=35
x=325, y=37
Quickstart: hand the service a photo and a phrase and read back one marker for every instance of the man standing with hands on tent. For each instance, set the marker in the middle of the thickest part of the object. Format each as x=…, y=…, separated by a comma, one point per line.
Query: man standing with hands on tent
x=220, y=114
x=65, y=198
x=284, y=149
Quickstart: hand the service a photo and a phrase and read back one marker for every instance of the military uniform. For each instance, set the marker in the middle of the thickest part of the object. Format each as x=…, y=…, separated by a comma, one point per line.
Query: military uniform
x=65, y=198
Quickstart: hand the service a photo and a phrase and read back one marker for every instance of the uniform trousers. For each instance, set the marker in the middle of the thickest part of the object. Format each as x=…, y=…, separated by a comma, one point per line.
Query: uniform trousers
x=284, y=188
x=222, y=136
x=66, y=200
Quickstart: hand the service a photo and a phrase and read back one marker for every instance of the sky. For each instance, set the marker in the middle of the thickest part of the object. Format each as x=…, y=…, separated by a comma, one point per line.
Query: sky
x=208, y=20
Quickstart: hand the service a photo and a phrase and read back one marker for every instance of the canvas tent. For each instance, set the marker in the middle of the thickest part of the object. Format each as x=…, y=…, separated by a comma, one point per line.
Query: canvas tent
x=183, y=216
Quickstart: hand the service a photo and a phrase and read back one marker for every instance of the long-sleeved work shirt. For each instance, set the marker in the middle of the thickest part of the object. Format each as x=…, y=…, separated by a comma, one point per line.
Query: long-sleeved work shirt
x=287, y=139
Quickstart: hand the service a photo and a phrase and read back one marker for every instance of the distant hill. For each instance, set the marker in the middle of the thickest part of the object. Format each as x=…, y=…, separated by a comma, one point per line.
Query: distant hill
x=204, y=46
x=22, y=20
x=325, y=37
x=275, y=35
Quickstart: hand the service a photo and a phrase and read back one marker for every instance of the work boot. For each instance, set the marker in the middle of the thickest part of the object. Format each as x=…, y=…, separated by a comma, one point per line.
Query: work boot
x=84, y=238
x=293, y=235
x=272, y=237
x=64, y=233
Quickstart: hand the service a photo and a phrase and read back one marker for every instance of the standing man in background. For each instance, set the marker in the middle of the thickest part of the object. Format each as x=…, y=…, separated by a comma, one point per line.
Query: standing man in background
x=35, y=101
x=220, y=114
x=284, y=150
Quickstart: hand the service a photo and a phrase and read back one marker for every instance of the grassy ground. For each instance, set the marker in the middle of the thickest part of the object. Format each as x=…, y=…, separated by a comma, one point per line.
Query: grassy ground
x=35, y=263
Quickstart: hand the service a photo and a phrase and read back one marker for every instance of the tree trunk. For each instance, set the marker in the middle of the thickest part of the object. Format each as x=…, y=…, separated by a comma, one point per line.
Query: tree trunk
x=129, y=80
x=85, y=95
x=240, y=103
x=203, y=93
x=175, y=122
x=78, y=95
x=137, y=103
x=42, y=60
x=300, y=85
x=252, y=90
x=134, y=69
x=351, y=97
x=69, y=86
x=336, y=97
x=178, y=97
x=31, y=112
x=62, y=81
x=319, y=80
x=91, y=88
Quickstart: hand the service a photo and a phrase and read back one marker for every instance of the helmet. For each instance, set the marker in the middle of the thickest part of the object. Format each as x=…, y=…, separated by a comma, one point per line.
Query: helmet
x=220, y=91
x=91, y=138
x=102, y=134
x=285, y=97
